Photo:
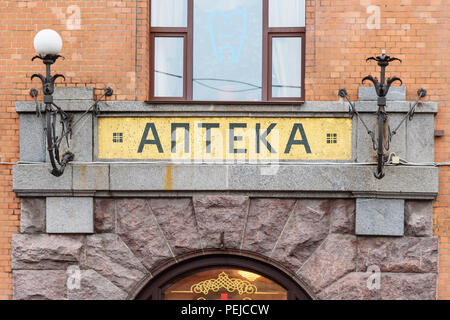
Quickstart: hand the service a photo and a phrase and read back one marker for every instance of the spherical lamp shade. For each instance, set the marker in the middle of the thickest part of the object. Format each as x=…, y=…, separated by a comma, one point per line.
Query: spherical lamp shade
x=47, y=42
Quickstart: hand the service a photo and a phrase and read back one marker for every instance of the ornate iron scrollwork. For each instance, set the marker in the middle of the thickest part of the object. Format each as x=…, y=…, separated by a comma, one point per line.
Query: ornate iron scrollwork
x=53, y=113
x=382, y=87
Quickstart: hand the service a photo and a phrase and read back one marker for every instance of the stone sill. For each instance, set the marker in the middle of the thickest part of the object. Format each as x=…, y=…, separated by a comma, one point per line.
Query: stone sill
x=309, y=180
x=333, y=108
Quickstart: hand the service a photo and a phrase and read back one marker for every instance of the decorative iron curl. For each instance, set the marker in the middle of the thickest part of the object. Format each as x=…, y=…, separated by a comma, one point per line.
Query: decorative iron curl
x=382, y=88
x=53, y=113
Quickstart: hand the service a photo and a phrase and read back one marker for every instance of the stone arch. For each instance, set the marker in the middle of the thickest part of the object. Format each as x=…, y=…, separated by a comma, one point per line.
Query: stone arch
x=309, y=238
x=150, y=287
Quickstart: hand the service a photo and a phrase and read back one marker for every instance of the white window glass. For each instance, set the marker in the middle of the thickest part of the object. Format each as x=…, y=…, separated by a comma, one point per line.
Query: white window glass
x=286, y=67
x=169, y=13
x=286, y=13
x=227, y=50
x=169, y=53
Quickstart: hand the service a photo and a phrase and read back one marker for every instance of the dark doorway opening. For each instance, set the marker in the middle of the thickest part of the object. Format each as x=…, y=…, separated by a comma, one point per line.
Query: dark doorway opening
x=222, y=277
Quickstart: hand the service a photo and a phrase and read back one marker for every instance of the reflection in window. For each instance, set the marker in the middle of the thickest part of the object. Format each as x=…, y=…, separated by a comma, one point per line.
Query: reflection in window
x=169, y=66
x=227, y=50
x=286, y=13
x=224, y=45
x=169, y=13
x=225, y=284
x=286, y=67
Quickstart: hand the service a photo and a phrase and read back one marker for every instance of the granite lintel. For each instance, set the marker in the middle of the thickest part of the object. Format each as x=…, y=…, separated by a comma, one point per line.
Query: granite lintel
x=336, y=108
x=401, y=182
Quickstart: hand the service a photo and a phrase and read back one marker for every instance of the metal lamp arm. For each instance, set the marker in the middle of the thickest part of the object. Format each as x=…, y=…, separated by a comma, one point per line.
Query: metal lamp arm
x=52, y=111
x=421, y=93
x=343, y=94
x=94, y=108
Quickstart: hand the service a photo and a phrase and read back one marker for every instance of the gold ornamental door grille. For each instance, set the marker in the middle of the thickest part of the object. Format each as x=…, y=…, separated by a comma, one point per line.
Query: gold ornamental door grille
x=225, y=284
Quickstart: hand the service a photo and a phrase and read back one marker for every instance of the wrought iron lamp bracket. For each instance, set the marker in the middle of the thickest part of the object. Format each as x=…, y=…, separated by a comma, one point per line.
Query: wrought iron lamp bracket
x=53, y=112
x=382, y=87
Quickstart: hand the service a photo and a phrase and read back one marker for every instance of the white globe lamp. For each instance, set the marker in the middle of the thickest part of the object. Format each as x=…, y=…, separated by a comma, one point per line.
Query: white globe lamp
x=47, y=42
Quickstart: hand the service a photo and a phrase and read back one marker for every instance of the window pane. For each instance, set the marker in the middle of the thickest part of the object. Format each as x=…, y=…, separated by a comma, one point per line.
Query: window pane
x=286, y=67
x=286, y=13
x=227, y=50
x=225, y=284
x=169, y=13
x=169, y=66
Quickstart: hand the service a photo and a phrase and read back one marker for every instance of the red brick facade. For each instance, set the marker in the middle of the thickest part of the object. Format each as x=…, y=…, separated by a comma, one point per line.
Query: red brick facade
x=106, y=44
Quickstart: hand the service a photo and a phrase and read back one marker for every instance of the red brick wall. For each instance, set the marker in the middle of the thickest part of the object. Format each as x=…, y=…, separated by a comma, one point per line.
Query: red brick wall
x=417, y=31
x=108, y=46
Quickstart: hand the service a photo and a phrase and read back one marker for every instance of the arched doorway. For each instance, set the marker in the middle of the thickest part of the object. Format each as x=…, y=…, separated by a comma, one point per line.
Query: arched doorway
x=222, y=277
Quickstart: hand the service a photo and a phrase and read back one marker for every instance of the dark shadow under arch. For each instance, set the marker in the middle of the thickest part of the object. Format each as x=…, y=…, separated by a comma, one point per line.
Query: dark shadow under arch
x=153, y=289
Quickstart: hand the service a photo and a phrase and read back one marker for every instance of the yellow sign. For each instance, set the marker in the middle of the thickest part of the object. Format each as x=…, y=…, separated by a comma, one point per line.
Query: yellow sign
x=224, y=138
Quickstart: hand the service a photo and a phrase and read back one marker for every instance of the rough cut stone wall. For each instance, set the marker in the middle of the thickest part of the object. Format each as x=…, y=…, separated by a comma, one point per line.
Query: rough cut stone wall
x=314, y=239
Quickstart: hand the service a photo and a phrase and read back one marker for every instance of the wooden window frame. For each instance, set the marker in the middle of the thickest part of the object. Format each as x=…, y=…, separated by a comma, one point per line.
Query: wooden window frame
x=272, y=35
x=152, y=66
x=187, y=33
